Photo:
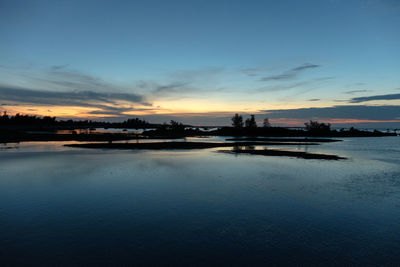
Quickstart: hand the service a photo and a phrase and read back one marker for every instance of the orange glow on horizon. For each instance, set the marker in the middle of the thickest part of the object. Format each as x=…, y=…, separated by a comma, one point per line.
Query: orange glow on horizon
x=183, y=109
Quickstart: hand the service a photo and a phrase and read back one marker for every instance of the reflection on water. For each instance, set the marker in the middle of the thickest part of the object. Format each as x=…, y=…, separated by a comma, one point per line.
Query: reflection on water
x=102, y=130
x=62, y=205
x=120, y=130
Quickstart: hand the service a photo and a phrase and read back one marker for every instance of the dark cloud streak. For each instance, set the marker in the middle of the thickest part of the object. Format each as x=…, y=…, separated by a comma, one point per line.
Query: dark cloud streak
x=356, y=91
x=100, y=100
x=375, y=97
x=170, y=88
x=290, y=74
x=342, y=112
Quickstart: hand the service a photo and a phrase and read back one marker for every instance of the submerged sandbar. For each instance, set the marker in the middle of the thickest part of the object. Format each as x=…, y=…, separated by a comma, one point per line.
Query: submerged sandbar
x=284, y=153
x=203, y=145
x=181, y=145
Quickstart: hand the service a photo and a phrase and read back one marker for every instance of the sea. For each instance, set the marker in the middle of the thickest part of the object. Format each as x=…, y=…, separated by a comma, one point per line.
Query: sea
x=64, y=206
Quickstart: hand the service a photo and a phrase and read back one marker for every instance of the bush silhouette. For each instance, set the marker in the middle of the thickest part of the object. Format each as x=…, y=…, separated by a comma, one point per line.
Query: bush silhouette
x=237, y=121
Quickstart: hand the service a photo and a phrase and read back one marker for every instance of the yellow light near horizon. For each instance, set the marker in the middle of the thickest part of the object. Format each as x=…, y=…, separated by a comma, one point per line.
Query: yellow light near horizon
x=53, y=111
x=182, y=107
x=199, y=106
x=211, y=106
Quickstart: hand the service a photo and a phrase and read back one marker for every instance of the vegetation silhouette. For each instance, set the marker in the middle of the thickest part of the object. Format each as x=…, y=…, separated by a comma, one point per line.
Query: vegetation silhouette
x=237, y=121
x=247, y=135
x=32, y=122
x=19, y=128
x=272, y=152
x=311, y=129
x=266, y=122
x=314, y=127
x=251, y=122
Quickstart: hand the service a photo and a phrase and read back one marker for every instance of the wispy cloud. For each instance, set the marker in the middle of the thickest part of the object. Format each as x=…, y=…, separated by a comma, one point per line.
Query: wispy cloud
x=355, y=84
x=356, y=91
x=59, y=67
x=117, y=111
x=276, y=88
x=63, y=78
x=290, y=74
x=60, y=77
x=375, y=97
x=255, y=71
x=304, y=67
x=61, y=86
x=108, y=102
x=168, y=88
x=314, y=99
x=184, y=83
x=312, y=84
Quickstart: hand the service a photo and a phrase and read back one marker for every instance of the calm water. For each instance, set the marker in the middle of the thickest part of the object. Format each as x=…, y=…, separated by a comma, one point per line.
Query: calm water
x=70, y=206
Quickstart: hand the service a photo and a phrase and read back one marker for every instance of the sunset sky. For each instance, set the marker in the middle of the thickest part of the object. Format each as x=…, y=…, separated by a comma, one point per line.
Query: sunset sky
x=199, y=62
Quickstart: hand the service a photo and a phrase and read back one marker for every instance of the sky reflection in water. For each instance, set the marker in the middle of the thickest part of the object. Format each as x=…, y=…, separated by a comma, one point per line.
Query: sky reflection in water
x=61, y=205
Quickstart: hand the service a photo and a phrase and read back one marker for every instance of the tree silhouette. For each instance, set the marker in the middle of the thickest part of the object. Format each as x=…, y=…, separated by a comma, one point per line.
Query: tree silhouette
x=237, y=121
x=32, y=121
x=315, y=126
x=251, y=122
x=177, y=126
x=266, y=123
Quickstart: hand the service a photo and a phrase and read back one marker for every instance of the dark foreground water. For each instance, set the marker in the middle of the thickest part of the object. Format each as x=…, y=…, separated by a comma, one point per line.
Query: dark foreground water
x=69, y=206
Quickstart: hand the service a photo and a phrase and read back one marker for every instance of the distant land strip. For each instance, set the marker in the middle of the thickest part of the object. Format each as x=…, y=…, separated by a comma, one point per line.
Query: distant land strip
x=204, y=145
x=318, y=140
x=182, y=145
x=271, y=152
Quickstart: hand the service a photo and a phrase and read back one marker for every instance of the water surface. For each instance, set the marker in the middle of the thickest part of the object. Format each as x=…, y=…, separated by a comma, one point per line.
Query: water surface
x=71, y=206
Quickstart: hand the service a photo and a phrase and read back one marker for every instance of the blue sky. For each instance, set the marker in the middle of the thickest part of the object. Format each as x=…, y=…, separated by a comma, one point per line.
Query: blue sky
x=201, y=60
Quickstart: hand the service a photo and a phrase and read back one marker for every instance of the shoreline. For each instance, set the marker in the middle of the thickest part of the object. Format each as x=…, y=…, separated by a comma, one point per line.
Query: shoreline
x=16, y=137
x=182, y=145
x=283, y=153
x=236, y=148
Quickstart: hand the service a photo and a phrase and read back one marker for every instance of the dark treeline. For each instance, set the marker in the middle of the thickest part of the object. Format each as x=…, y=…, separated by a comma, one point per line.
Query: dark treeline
x=286, y=132
x=312, y=128
x=19, y=121
x=174, y=129
x=249, y=127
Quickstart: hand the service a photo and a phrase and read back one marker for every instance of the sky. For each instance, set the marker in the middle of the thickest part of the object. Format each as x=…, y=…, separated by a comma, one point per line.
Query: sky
x=200, y=62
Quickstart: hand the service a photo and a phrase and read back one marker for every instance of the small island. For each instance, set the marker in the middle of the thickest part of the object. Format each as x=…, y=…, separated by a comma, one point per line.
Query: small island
x=242, y=137
x=23, y=128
